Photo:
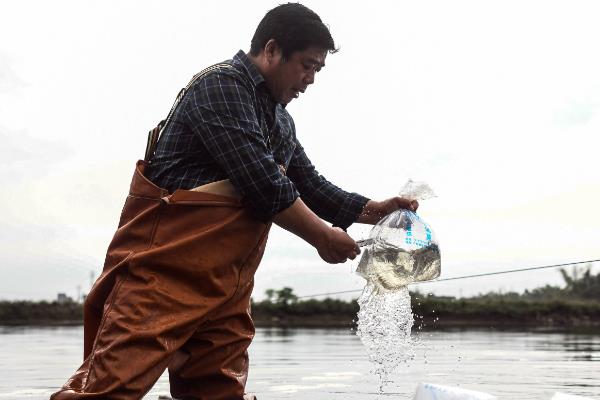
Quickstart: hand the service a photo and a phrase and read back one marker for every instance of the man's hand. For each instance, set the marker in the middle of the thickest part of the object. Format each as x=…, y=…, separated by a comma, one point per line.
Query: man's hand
x=333, y=244
x=336, y=246
x=374, y=211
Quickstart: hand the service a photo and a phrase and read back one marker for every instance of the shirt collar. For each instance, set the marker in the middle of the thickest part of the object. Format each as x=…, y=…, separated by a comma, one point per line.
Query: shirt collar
x=249, y=67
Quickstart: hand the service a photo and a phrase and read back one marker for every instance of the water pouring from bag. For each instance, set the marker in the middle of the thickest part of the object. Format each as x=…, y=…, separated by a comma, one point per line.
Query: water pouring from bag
x=401, y=248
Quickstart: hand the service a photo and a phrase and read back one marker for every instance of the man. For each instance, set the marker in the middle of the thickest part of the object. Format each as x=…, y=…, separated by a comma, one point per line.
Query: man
x=176, y=284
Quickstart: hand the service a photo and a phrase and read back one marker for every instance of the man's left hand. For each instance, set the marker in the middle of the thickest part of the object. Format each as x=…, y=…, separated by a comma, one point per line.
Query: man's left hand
x=374, y=211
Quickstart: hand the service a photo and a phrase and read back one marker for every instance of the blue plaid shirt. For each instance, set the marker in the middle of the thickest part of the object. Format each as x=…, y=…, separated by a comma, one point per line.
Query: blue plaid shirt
x=228, y=127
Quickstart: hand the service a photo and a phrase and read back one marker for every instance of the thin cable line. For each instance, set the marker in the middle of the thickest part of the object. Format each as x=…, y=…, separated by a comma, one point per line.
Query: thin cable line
x=463, y=277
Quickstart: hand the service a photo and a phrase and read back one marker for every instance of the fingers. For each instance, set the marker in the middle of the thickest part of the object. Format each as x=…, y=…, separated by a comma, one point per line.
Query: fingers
x=340, y=248
x=342, y=258
x=356, y=248
x=345, y=253
x=414, y=205
x=335, y=258
x=406, y=204
x=353, y=255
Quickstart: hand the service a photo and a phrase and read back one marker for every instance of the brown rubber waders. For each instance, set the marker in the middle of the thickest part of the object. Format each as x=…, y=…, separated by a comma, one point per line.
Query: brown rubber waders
x=174, y=293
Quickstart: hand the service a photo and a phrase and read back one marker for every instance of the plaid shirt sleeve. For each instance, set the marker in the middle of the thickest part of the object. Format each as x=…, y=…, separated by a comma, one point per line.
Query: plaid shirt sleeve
x=221, y=110
x=328, y=201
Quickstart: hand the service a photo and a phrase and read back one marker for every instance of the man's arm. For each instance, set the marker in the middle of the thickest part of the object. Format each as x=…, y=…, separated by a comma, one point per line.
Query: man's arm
x=334, y=204
x=328, y=201
x=221, y=112
x=333, y=244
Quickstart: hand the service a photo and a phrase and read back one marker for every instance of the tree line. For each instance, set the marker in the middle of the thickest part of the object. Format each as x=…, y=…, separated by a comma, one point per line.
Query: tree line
x=575, y=303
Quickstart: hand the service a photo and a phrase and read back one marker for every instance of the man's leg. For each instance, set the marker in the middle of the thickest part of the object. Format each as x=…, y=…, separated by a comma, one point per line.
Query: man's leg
x=155, y=309
x=213, y=363
x=134, y=345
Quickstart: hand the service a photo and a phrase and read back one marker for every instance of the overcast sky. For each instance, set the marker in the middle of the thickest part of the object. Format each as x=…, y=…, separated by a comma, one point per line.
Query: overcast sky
x=494, y=104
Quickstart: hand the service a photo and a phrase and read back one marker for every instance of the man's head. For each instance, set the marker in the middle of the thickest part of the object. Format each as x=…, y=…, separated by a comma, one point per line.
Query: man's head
x=289, y=47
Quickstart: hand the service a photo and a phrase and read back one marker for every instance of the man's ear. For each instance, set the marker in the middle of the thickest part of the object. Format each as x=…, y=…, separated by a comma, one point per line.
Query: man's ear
x=272, y=52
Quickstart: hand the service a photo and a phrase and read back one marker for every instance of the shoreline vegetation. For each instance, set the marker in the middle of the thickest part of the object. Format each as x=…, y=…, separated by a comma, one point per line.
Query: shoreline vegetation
x=576, y=306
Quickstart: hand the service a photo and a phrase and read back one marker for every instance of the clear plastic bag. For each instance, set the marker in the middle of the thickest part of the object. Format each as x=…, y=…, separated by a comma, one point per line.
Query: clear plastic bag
x=402, y=247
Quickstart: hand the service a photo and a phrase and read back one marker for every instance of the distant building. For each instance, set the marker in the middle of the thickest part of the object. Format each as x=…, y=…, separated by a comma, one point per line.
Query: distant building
x=62, y=298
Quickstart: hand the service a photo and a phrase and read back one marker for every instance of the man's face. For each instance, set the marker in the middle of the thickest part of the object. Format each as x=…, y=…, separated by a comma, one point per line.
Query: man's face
x=287, y=79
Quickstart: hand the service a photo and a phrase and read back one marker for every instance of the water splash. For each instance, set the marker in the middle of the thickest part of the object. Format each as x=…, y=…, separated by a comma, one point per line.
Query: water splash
x=384, y=326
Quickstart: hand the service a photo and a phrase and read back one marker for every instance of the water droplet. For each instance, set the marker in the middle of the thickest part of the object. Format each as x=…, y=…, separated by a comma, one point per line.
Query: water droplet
x=384, y=326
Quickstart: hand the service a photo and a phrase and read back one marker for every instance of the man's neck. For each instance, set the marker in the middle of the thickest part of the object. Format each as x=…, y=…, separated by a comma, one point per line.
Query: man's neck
x=258, y=63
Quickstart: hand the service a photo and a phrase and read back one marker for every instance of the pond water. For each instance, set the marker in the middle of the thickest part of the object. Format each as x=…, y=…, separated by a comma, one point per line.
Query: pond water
x=332, y=364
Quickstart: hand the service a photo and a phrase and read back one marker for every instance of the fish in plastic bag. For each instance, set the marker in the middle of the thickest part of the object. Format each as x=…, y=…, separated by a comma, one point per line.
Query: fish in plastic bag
x=402, y=248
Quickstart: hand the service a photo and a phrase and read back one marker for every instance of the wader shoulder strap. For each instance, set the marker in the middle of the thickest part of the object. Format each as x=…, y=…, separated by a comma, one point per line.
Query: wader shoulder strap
x=155, y=133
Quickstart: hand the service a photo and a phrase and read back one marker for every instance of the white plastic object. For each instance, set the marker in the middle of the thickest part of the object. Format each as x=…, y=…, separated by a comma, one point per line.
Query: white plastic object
x=416, y=191
x=564, y=396
x=430, y=391
x=402, y=247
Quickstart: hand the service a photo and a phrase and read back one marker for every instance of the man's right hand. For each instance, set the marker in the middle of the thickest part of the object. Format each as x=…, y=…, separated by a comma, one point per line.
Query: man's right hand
x=336, y=246
x=333, y=244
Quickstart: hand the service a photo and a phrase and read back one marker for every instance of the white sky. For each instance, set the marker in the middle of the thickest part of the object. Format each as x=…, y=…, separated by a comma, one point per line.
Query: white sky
x=494, y=104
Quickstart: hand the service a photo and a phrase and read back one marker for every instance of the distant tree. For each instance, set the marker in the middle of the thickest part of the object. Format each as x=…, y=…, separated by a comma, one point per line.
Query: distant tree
x=581, y=282
x=571, y=278
x=270, y=295
x=545, y=292
x=286, y=296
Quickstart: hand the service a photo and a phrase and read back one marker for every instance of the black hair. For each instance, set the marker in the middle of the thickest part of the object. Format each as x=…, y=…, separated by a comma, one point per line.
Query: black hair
x=295, y=28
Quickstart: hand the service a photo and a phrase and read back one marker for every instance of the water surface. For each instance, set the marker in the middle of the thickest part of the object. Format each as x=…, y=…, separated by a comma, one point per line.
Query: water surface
x=305, y=364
